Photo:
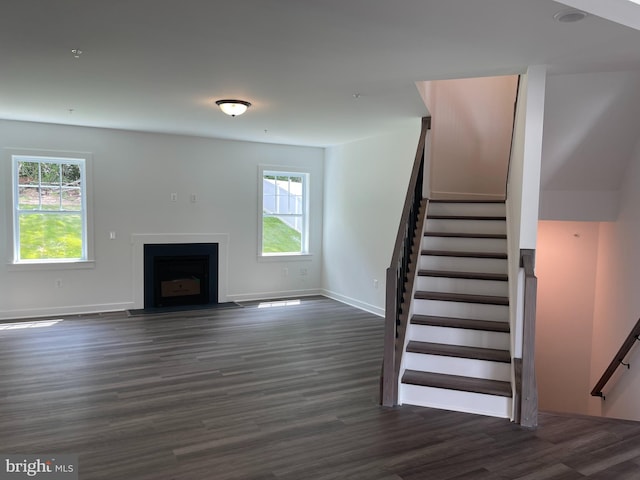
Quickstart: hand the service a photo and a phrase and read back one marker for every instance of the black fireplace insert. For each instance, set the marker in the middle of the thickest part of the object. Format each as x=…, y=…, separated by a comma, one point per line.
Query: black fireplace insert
x=177, y=274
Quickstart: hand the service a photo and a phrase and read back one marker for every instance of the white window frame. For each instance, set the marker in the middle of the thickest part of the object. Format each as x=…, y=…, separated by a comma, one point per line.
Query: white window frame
x=285, y=171
x=84, y=160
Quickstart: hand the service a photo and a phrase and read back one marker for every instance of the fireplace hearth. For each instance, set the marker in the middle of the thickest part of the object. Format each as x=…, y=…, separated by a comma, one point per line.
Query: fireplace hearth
x=180, y=274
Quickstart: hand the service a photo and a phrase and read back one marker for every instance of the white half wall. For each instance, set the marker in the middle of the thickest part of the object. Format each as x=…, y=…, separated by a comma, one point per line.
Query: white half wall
x=523, y=188
x=134, y=175
x=365, y=187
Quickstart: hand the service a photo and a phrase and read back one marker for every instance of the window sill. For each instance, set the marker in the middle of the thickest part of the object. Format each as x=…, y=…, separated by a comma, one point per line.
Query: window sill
x=34, y=266
x=289, y=257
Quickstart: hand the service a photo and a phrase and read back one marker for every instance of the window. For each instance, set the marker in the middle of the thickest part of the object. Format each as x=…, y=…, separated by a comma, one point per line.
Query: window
x=49, y=209
x=284, y=222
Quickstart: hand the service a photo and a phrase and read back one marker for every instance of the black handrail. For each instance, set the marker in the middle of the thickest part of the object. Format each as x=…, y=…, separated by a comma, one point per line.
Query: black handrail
x=513, y=134
x=398, y=271
x=618, y=360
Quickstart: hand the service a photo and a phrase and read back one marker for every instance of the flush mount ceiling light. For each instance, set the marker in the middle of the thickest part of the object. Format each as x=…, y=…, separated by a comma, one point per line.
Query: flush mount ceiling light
x=233, y=107
x=570, y=16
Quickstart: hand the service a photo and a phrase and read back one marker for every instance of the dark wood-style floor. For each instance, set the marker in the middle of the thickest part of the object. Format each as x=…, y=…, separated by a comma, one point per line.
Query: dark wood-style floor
x=286, y=393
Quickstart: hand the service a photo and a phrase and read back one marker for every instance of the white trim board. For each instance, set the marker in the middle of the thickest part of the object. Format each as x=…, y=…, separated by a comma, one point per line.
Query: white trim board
x=367, y=307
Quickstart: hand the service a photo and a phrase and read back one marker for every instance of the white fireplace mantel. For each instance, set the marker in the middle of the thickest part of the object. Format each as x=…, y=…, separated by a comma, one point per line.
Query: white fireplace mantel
x=139, y=240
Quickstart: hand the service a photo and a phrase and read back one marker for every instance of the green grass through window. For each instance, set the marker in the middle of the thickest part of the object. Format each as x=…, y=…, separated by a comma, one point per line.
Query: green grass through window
x=278, y=237
x=50, y=236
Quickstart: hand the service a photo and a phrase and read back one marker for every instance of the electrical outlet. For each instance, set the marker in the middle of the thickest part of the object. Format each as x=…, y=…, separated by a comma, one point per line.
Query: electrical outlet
x=375, y=283
x=174, y=197
x=58, y=282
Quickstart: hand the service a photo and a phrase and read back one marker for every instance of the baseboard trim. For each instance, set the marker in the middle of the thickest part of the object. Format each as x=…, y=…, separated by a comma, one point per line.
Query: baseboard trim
x=9, y=315
x=63, y=311
x=249, y=297
x=367, y=307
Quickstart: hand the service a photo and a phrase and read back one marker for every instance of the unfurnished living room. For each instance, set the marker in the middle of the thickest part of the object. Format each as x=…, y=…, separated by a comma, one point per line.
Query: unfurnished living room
x=269, y=239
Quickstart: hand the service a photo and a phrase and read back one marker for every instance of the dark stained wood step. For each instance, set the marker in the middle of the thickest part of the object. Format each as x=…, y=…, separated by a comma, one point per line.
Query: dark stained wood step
x=462, y=297
x=457, y=382
x=458, y=351
x=454, y=253
x=463, y=200
x=465, y=323
x=498, y=277
x=466, y=217
x=499, y=236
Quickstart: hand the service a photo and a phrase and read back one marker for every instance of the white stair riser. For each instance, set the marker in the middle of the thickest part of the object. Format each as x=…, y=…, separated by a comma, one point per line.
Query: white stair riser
x=460, y=336
x=492, y=245
x=462, y=285
x=465, y=367
x=469, y=402
x=463, y=264
x=466, y=226
x=487, y=209
x=477, y=311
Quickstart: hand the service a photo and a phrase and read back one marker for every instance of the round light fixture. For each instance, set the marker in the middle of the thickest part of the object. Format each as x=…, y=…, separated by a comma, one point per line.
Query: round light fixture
x=233, y=107
x=570, y=16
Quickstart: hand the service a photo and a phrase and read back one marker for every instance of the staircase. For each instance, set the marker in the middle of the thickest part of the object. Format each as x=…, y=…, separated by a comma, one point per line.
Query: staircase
x=457, y=344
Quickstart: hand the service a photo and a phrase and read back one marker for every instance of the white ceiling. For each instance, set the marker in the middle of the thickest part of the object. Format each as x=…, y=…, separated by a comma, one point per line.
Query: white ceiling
x=158, y=65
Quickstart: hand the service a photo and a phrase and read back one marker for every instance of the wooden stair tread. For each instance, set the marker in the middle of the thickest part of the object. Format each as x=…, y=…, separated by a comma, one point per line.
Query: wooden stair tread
x=462, y=297
x=465, y=323
x=455, y=253
x=463, y=200
x=459, y=351
x=498, y=277
x=457, y=382
x=465, y=217
x=499, y=236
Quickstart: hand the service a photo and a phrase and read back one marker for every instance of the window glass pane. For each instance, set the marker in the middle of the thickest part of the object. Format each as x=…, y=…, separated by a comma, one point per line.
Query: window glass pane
x=71, y=187
x=284, y=217
x=29, y=197
x=28, y=173
x=70, y=175
x=28, y=181
x=50, y=197
x=50, y=236
x=278, y=236
x=50, y=186
x=71, y=198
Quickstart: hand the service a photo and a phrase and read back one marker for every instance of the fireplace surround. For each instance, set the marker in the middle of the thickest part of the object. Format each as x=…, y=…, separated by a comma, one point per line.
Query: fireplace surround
x=140, y=240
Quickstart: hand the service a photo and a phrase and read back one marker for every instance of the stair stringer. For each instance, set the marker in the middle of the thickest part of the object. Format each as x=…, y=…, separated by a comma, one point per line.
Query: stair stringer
x=409, y=327
x=464, y=401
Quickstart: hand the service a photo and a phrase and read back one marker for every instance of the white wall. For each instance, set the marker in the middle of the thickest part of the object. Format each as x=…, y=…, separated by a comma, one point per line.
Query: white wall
x=133, y=177
x=566, y=260
x=617, y=303
x=587, y=304
x=581, y=206
x=365, y=187
x=472, y=120
x=590, y=132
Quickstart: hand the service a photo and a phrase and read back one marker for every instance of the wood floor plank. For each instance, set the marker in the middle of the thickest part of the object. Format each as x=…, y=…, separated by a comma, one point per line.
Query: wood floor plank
x=280, y=393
